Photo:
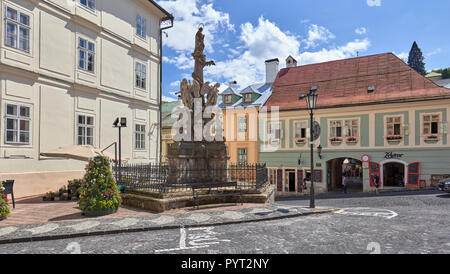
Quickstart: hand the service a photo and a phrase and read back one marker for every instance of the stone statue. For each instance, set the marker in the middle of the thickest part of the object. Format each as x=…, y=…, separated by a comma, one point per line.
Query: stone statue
x=198, y=89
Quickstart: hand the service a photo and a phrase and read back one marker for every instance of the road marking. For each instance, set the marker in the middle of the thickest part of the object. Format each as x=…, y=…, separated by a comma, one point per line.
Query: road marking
x=195, y=238
x=7, y=230
x=43, y=229
x=369, y=212
x=85, y=225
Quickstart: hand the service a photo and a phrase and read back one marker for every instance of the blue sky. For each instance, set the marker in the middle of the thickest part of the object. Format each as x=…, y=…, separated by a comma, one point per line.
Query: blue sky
x=242, y=34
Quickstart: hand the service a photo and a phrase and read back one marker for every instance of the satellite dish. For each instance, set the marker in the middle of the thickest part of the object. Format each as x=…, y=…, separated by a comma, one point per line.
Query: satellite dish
x=316, y=130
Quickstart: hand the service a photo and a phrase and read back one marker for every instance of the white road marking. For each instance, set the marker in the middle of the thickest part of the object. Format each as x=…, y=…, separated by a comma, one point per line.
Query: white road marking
x=369, y=212
x=43, y=229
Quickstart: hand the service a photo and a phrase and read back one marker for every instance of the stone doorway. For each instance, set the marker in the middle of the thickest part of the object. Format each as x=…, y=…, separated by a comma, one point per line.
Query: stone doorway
x=336, y=169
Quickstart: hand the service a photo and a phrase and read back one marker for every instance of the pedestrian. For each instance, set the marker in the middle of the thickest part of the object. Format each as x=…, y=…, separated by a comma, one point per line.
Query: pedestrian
x=345, y=183
x=376, y=180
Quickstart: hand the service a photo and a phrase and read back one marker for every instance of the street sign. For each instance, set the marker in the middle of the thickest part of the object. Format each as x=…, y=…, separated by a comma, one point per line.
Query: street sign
x=365, y=158
x=316, y=130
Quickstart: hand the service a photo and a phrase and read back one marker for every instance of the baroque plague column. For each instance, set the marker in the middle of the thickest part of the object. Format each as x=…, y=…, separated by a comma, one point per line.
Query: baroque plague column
x=190, y=161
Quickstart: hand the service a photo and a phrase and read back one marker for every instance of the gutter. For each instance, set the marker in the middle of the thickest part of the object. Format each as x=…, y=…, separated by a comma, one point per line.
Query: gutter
x=171, y=18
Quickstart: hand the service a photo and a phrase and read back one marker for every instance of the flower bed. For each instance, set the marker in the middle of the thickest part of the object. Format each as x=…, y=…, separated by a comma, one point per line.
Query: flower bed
x=351, y=140
x=394, y=138
x=4, y=208
x=99, y=192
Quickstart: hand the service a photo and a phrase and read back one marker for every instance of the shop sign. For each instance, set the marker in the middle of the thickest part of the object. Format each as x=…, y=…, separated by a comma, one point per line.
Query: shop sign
x=392, y=155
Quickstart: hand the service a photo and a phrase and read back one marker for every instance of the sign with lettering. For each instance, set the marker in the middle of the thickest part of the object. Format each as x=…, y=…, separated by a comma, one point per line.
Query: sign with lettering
x=392, y=155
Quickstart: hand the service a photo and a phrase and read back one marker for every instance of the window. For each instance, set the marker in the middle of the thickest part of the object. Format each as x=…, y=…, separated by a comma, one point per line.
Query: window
x=242, y=124
x=88, y=3
x=86, y=57
x=85, y=130
x=141, y=75
x=17, y=30
x=242, y=156
x=300, y=130
x=351, y=128
x=18, y=119
x=336, y=129
x=393, y=126
x=141, y=26
x=275, y=131
x=139, y=137
x=248, y=98
x=345, y=128
x=431, y=124
x=228, y=99
x=272, y=176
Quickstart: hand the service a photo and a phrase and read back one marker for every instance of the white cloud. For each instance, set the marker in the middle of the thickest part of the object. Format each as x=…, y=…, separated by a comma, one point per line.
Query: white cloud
x=168, y=99
x=182, y=61
x=175, y=84
x=347, y=51
x=403, y=55
x=434, y=52
x=372, y=3
x=189, y=14
x=361, y=30
x=316, y=35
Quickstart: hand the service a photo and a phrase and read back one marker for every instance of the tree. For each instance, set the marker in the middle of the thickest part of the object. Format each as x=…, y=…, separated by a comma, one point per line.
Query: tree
x=415, y=59
x=446, y=73
x=99, y=192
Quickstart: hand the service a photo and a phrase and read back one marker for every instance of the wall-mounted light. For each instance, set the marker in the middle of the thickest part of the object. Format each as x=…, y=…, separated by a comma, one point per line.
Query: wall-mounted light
x=319, y=151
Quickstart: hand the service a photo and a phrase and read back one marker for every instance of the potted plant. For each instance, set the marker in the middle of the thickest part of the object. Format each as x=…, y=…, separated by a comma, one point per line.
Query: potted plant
x=300, y=141
x=352, y=140
x=4, y=208
x=433, y=138
x=336, y=140
x=99, y=194
x=394, y=139
x=73, y=188
x=49, y=196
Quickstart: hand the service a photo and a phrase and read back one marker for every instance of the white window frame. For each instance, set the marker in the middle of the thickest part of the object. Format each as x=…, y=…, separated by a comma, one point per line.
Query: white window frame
x=85, y=126
x=140, y=75
x=273, y=132
x=438, y=126
x=90, y=4
x=246, y=99
x=226, y=101
x=351, y=130
x=17, y=117
x=242, y=127
x=343, y=125
x=18, y=26
x=139, y=136
x=141, y=26
x=86, y=51
x=303, y=125
x=334, y=125
x=394, y=123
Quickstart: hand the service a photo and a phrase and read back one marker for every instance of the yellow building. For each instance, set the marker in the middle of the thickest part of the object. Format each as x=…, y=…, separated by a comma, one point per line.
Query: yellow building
x=240, y=115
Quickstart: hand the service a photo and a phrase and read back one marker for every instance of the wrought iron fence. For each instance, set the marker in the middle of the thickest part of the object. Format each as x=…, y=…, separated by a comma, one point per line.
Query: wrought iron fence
x=154, y=177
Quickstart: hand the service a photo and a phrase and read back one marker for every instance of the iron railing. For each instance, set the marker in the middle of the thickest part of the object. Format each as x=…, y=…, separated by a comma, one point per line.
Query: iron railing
x=154, y=177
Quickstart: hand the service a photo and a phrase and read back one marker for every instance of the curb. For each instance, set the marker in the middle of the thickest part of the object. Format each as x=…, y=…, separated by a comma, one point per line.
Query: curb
x=154, y=228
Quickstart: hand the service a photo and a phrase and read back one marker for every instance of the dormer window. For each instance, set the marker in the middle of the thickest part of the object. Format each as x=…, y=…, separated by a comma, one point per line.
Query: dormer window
x=228, y=99
x=248, y=98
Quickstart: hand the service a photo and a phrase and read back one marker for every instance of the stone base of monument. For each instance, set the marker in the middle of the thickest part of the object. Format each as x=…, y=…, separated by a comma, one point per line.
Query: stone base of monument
x=159, y=203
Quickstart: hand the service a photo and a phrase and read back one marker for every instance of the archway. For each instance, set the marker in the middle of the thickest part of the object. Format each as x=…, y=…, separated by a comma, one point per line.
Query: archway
x=394, y=173
x=336, y=169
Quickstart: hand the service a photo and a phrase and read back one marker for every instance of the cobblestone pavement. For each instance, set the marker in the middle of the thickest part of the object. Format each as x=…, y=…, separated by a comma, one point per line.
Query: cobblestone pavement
x=106, y=226
x=383, y=224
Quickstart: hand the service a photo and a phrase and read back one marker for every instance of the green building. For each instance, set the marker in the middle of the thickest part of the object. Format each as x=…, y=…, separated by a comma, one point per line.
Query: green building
x=377, y=116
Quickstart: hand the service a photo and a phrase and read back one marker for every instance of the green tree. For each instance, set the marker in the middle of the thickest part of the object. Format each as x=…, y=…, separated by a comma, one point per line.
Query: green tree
x=446, y=73
x=99, y=191
x=415, y=59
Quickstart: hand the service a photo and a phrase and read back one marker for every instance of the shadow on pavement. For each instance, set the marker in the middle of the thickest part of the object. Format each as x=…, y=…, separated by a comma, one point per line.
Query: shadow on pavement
x=334, y=195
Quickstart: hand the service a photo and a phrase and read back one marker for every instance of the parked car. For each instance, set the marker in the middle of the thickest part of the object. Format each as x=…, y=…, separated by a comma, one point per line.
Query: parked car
x=444, y=185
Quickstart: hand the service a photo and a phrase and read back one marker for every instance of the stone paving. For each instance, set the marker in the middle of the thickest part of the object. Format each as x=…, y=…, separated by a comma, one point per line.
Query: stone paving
x=138, y=223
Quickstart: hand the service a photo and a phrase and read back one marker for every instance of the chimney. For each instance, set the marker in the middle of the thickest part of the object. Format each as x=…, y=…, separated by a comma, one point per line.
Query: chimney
x=233, y=84
x=291, y=62
x=271, y=70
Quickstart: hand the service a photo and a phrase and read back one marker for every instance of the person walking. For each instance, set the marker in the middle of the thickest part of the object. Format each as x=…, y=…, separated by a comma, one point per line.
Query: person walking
x=345, y=181
x=376, y=180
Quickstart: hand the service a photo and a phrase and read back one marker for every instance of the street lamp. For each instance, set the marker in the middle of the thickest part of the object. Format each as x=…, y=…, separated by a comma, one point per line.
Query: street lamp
x=120, y=123
x=311, y=100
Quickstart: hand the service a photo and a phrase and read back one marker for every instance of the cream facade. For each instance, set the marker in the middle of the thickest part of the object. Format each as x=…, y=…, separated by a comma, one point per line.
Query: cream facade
x=68, y=69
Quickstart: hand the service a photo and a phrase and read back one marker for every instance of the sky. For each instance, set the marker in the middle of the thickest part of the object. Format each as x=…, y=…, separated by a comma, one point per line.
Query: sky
x=241, y=34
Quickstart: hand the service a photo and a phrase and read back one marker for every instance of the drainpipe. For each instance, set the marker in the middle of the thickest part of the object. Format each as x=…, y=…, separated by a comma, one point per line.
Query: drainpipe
x=168, y=18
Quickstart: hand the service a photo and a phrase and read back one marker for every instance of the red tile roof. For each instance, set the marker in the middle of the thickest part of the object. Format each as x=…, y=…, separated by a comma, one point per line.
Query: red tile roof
x=346, y=82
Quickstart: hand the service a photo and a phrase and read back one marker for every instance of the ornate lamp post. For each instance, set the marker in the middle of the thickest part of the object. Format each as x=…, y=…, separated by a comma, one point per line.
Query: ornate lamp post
x=311, y=100
x=120, y=123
